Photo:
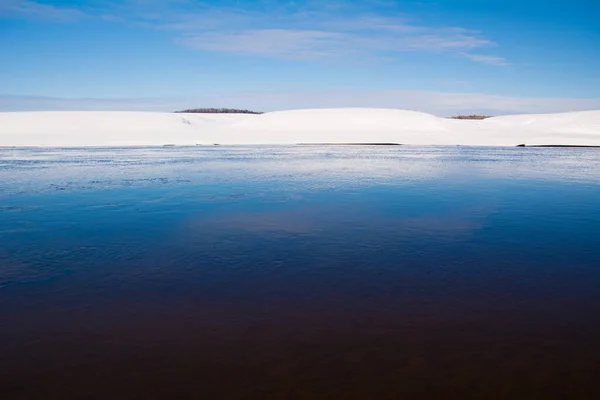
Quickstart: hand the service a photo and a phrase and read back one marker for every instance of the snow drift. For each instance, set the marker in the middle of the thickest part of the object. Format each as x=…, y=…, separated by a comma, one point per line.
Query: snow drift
x=344, y=125
x=106, y=128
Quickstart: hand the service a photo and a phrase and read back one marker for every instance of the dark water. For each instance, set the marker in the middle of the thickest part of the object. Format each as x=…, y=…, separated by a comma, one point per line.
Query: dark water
x=300, y=273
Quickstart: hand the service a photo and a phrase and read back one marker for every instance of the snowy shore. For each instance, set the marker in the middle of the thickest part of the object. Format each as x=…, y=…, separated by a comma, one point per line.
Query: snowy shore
x=344, y=125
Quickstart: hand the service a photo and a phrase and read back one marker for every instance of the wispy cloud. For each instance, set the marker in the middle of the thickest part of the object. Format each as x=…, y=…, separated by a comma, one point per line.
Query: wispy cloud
x=280, y=43
x=307, y=30
x=34, y=10
x=491, y=60
x=319, y=44
x=320, y=33
x=323, y=37
x=315, y=31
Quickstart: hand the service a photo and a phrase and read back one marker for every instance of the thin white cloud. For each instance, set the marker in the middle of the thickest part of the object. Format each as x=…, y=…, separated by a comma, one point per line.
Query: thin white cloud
x=318, y=44
x=486, y=59
x=32, y=9
x=294, y=30
x=307, y=30
x=326, y=42
x=281, y=43
x=316, y=33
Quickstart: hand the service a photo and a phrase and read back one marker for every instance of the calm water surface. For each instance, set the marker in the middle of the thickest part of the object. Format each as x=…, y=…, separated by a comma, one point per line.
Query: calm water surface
x=300, y=273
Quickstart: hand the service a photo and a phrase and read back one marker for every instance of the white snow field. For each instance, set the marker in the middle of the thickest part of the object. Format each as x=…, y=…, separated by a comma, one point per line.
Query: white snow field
x=316, y=126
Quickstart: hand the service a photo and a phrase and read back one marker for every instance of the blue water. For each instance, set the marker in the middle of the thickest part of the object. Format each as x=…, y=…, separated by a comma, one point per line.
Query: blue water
x=300, y=272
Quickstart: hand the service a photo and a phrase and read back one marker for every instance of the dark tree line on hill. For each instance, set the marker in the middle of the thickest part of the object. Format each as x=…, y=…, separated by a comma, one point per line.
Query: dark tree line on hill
x=218, y=111
x=239, y=111
x=472, y=116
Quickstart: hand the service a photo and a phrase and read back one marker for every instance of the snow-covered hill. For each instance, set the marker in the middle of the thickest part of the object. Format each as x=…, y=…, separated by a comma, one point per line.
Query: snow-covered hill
x=344, y=125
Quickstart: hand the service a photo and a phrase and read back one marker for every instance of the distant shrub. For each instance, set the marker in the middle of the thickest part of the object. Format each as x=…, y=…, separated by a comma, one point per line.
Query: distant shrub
x=218, y=111
x=473, y=116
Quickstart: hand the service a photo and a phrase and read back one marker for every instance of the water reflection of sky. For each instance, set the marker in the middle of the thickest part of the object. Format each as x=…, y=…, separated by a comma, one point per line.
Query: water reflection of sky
x=369, y=246
x=34, y=170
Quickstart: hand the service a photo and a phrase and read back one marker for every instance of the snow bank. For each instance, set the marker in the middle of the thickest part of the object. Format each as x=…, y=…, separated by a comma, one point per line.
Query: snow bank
x=108, y=128
x=576, y=128
x=342, y=125
x=351, y=125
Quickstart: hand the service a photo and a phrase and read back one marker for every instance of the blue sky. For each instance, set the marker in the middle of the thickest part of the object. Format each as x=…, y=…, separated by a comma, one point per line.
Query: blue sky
x=440, y=56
